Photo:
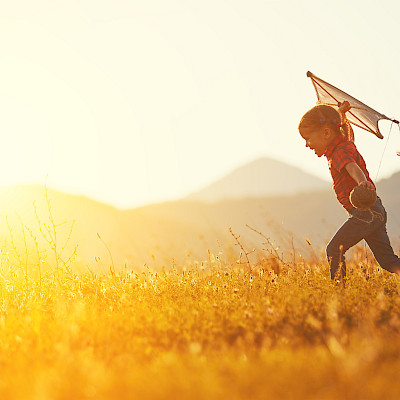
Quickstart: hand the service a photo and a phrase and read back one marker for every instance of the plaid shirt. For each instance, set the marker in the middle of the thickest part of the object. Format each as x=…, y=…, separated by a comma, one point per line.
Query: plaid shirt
x=339, y=153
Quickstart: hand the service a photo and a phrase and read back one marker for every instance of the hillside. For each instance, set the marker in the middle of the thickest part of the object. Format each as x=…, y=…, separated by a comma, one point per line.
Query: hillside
x=175, y=232
x=260, y=178
x=388, y=189
x=132, y=237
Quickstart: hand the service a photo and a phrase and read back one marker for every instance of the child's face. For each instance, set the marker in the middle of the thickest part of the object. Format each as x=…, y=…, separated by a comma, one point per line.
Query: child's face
x=317, y=139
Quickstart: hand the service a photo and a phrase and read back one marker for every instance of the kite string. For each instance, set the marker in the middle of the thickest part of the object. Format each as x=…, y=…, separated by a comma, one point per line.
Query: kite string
x=398, y=125
x=384, y=150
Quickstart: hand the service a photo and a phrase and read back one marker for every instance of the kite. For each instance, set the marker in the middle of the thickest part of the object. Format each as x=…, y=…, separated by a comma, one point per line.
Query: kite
x=360, y=114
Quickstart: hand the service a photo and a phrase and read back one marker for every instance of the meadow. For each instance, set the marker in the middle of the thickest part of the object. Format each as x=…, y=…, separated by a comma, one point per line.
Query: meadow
x=206, y=330
x=241, y=324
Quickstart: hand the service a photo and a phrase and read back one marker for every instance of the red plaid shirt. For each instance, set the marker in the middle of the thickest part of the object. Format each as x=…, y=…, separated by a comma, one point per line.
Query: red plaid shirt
x=339, y=153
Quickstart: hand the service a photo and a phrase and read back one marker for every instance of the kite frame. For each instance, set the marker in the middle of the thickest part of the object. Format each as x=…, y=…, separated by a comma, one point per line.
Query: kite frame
x=361, y=123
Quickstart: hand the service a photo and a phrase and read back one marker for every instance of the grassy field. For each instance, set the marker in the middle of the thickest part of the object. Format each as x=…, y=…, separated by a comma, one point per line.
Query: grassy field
x=207, y=331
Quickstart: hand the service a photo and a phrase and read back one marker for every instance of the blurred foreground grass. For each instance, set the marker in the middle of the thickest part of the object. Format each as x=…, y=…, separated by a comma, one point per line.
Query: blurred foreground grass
x=208, y=332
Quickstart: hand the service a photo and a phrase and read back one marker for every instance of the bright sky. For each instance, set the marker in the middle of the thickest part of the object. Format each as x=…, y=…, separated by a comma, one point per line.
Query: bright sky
x=134, y=102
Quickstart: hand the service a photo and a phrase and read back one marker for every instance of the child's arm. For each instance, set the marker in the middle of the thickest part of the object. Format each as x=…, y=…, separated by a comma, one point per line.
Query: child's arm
x=348, y=130
x=343, y=108
x=356, y=173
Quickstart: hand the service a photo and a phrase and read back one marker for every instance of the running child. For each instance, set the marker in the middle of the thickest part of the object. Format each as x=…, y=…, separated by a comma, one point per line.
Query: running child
x=328, y=133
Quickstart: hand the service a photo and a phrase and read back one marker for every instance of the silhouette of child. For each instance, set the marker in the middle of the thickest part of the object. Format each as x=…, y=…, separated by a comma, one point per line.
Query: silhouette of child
x=328, y=133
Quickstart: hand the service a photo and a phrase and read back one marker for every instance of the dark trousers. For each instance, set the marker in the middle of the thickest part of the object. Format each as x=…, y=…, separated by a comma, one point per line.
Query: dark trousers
x=369, y=225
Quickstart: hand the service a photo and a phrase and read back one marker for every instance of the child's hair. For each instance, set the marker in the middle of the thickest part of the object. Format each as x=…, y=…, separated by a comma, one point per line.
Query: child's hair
x=324, y=115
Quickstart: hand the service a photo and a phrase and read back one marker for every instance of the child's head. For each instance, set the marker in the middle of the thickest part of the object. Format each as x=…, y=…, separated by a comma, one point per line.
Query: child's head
x=319, y=126
x=319, y=117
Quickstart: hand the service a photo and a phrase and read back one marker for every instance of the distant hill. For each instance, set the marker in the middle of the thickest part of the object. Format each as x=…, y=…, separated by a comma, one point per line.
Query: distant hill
x=173, y=232
x=127, y=237
x=260, y=178
x=389, y=189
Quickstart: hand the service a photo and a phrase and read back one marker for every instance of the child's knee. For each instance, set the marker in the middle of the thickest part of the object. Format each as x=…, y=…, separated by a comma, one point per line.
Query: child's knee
x=334, y=250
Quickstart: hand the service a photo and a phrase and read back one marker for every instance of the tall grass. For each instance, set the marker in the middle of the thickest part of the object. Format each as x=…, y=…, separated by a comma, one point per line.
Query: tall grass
x=259, y=327
x=206, y=332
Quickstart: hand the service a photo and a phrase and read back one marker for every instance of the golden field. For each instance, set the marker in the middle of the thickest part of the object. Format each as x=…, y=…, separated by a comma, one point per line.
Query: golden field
x=241, y=324
x=209, y=330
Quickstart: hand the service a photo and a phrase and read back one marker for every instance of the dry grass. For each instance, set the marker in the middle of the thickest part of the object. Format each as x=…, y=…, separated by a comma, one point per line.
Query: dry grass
x=208, y=332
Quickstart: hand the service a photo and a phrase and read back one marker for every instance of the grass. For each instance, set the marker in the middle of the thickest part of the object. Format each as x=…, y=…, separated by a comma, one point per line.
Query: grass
x=206, y=332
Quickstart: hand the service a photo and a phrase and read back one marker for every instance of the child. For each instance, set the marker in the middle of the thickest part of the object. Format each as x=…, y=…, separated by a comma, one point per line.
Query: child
x=327, y=132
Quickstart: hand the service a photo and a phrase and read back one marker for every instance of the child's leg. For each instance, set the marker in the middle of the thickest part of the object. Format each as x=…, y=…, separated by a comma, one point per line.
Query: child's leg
x=360, y=225
x=349, y=234
x=379, y=244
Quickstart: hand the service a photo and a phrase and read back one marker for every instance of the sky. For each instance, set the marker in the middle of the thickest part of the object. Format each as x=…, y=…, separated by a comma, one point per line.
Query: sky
x=137, y=102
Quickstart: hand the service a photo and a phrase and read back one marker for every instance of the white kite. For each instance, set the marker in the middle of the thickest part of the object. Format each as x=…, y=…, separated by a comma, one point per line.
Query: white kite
x=360, y=114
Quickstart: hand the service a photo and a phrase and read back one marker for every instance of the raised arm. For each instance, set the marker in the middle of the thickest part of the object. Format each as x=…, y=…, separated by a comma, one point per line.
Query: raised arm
x=348, y=130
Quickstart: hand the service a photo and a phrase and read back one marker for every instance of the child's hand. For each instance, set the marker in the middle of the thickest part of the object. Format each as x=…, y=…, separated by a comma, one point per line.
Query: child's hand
x=367, y=184
x=344, y=107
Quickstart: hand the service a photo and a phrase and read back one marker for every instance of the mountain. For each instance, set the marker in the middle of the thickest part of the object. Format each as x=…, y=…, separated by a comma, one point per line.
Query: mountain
x=169, y=233
x=389, y=188
x=260, y=178
x=104, y=235
x=314, y=216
